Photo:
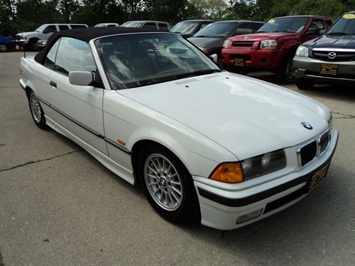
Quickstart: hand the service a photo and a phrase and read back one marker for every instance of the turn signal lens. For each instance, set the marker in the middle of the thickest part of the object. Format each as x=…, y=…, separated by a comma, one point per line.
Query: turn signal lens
x=228, y=173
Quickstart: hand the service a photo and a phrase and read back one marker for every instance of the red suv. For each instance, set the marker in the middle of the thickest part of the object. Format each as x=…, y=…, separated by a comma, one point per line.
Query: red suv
x=273, y=46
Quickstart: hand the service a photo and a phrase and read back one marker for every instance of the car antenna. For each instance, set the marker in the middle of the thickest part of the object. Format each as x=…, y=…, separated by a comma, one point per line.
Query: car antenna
x=24, y=52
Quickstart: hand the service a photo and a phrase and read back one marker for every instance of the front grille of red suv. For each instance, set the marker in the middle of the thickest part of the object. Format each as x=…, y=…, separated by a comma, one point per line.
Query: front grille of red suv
x=243, y=43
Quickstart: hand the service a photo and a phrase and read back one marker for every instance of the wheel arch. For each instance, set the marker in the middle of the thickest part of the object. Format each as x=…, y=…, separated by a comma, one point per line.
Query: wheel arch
x=140, y=146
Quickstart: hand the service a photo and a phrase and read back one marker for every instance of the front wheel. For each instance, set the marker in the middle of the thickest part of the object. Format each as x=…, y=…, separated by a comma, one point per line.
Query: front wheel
x=168, y=185
x=284, y=74
x=3, y=47
x=36, y=111
x=33, y=45
x=304, y=84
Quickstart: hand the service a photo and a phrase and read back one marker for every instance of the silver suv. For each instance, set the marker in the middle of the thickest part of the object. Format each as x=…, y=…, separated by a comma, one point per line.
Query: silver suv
x=148, y=24
x=329, y=58
x=28, y=40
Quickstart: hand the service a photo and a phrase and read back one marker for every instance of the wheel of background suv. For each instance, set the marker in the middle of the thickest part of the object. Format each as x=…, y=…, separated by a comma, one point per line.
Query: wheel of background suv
x=36, y=111
x=284, y=74
x=168, y=185
x=304, y=84
x=32, y=44
x=3, y=47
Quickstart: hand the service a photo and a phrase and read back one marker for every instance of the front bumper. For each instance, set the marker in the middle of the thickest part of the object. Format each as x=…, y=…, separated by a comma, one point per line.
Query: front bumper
x=252, y=58
x=230, y=209
x=311, y=69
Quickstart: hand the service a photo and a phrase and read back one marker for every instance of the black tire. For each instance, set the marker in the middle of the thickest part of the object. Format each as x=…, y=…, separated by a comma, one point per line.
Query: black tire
x=167, y=185
x=284, y=74
x=36, y=111
x=238, y=70
x=3, y=47
x=304, y=84
x=32, y=44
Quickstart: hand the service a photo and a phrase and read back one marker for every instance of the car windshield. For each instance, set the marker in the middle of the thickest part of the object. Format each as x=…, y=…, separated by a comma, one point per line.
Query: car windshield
x=343, y=26
x=185, y=27
x=136, y=60
x=217, y=29
x=289, y=24
x=41, y=28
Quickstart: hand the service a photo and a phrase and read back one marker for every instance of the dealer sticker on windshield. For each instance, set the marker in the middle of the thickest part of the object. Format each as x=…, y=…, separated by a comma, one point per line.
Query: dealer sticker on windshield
x=328, y=69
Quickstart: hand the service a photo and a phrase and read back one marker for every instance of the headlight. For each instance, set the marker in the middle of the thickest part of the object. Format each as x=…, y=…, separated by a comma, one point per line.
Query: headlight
x=302, y=51
x=264, y=164
x=226, y=43
x=268, y=44
x=236, y=172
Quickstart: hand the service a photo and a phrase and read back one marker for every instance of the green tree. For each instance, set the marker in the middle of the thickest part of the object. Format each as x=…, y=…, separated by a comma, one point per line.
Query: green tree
x=33, y=13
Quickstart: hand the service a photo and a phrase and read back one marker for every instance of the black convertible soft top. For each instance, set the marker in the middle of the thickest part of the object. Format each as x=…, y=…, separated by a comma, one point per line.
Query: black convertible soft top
x=86, y=34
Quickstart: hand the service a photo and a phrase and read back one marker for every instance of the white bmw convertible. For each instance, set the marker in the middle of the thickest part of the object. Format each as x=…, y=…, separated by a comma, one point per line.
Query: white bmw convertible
x=202, y=143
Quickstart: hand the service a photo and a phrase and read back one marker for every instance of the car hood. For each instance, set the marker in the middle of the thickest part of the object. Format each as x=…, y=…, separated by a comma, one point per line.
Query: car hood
x=26, y=33
x=239, y=113
x=264, y=36
x=333, y=41
x=207, y=42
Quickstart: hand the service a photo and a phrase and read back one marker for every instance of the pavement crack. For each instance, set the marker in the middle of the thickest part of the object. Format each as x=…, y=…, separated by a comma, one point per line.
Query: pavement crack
x=338, y=115
x=38, y=161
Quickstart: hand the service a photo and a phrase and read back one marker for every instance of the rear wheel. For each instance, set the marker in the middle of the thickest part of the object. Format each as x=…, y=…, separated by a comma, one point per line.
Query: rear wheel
x=36, y=111
x=168, y=185
x=304, y=84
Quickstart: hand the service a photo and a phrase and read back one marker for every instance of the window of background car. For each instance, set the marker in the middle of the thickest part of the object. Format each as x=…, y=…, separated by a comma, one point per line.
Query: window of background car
x=63, y=27
x=288, y=24
x=163, y=26
x=346, y=24
x=73, y=55
x=244, y=28
x=217, y=29
x=50, y=29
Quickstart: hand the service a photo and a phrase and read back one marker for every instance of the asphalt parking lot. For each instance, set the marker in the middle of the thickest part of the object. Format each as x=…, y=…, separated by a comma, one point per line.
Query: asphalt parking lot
x=59, y=206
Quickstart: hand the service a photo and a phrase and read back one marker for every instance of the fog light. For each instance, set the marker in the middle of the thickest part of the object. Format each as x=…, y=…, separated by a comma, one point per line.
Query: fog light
x=249, y=216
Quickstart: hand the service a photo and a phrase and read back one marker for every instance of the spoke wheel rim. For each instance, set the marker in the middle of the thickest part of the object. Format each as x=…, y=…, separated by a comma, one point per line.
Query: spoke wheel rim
x=35, y=108
x=3, y=48
x=163, y=182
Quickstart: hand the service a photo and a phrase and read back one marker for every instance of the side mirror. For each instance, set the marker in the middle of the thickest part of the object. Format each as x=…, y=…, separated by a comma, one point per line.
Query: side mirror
x=80, y=78
x=214, y=58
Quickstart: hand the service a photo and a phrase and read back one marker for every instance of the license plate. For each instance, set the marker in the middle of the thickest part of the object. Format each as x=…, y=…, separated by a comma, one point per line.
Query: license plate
x=317, y=177
x=328, y=69
x=239, y=61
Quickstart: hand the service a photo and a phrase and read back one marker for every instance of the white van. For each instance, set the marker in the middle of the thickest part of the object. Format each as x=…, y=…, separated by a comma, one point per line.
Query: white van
x=150, y=24
x=28, y=40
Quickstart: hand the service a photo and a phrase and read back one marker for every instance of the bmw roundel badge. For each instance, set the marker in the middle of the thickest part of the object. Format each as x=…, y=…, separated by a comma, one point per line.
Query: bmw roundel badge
x=307, y=125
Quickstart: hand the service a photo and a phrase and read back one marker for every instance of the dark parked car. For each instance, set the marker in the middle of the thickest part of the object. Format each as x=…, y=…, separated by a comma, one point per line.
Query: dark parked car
x=6, y=43
x=187, y=28
x=211, y=38
x=329, y=58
